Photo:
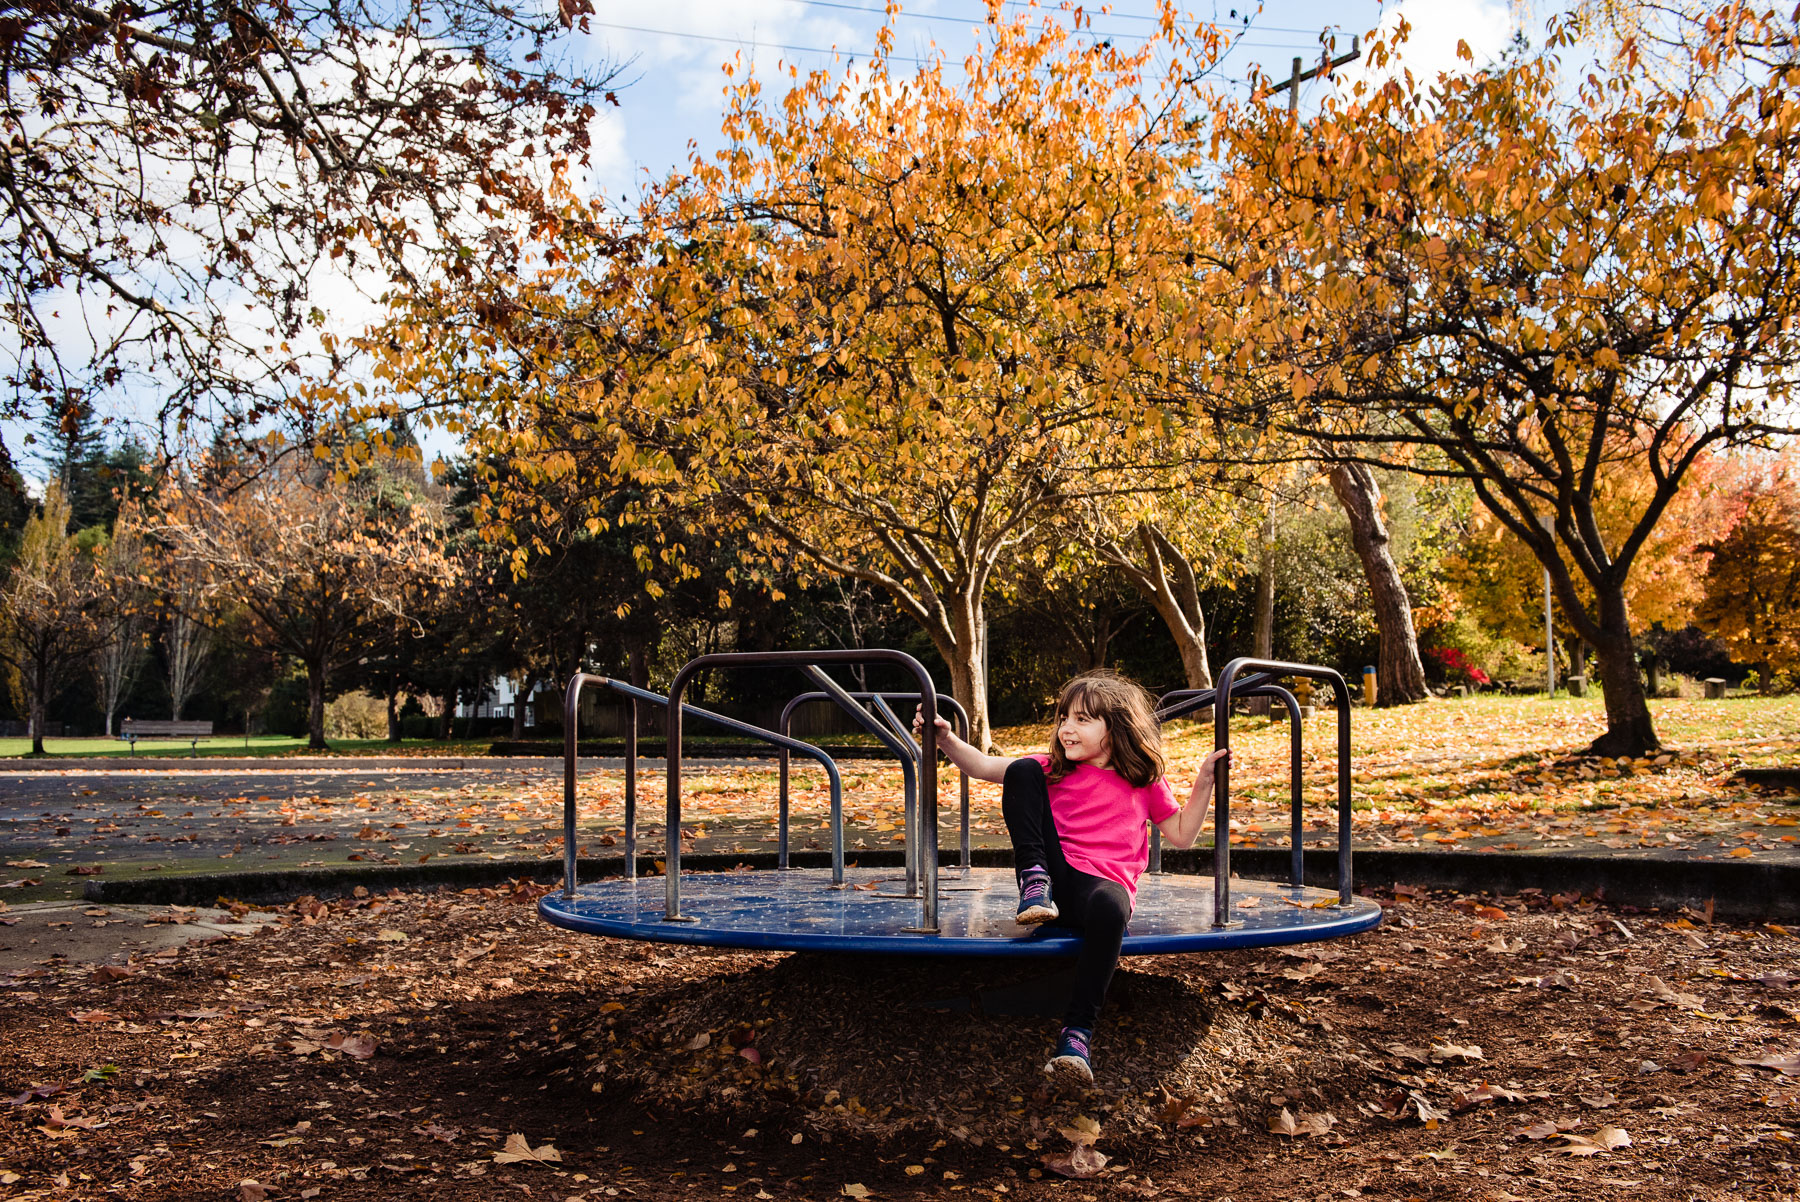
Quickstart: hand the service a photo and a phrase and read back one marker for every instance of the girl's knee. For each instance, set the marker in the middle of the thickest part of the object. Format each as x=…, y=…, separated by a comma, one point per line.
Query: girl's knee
x=1024, y=771
x=1110, y=908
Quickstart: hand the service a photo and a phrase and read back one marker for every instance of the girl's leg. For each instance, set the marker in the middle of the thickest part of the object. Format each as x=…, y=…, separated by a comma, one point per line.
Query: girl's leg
x=1099, y=909
x=1025, y=803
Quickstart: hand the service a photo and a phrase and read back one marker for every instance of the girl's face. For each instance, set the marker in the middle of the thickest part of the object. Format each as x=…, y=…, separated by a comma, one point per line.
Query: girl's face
x=1085, y=738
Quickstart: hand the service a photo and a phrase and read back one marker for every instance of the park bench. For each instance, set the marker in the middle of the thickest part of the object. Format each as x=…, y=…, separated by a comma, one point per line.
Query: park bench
x=132, y=729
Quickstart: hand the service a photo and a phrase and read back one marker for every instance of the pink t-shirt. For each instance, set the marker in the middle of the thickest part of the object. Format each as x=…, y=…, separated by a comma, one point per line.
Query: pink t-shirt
x=1100, y=820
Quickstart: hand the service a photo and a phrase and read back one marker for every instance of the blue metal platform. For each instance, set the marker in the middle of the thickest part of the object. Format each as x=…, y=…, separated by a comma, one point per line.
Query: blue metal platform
x=801, y=910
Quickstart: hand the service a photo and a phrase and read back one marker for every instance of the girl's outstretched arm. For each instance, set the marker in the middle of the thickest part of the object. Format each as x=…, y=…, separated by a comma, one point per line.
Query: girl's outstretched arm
x=1183, y=827
x=967, y=758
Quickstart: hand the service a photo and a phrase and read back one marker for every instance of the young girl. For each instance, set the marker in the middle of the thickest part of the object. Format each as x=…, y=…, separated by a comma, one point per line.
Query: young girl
x=1076, y=817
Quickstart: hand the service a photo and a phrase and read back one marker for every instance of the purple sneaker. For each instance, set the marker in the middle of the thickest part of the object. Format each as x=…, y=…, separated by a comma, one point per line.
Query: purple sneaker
x=1070, y=1063
x=1035, y=905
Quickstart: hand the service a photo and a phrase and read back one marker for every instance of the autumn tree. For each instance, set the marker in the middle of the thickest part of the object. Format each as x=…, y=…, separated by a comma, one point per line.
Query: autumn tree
x=1501, y=581
x=1528, y=283
x=897, y=328
x=178, y=180
x=321, y=563
x=55, y=610
x=1752, y=586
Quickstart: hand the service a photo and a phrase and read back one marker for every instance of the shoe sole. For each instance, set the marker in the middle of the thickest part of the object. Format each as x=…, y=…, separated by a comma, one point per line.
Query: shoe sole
x=1070, y=1068
x=1036, y=915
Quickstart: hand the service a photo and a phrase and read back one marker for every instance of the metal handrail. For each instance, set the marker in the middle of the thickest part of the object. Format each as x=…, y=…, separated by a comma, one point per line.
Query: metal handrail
x=928, y=812
x=944, y=700
x=1296, y=789
x=909, y=769
x=1166, y=705
x=571, y=711
x=1222, y=787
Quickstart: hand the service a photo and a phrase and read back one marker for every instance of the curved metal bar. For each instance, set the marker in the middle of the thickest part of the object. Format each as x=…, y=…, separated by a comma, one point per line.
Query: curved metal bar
x=1178, y=703
x=571, y=711
x=1250, y=686
x=909, y=767
x=899, y=729
x=755, y=732
x=1222, y=790
x=944, y=700
x=928, y=858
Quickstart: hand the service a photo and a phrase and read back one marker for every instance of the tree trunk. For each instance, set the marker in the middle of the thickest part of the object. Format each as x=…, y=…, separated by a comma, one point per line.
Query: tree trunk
x=1399, y=673
x=1263, y=635
x=1097, y=643
x=1629, y=730
x=448, y=716
x=393, y=708
x=1177, y=602
x=315, y=707
x=37, y=723
x=637, y=666
x=961, y=647
x=518, y=714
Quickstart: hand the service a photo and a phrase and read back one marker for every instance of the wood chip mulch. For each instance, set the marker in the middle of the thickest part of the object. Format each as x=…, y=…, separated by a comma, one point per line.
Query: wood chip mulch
x=452, y=1046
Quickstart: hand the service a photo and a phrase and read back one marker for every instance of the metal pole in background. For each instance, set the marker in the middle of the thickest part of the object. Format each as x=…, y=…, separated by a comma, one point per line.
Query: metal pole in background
x=1544, y=520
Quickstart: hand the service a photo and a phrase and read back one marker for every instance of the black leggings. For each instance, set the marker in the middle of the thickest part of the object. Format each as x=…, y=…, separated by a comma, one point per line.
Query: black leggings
x=1094, y=906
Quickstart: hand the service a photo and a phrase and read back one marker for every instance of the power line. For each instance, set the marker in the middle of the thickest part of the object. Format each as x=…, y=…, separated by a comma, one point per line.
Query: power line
x=900, y=58
x=1252, y=27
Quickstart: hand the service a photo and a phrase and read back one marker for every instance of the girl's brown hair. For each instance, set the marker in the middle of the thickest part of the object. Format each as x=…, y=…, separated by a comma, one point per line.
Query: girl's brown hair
x=1126, y=709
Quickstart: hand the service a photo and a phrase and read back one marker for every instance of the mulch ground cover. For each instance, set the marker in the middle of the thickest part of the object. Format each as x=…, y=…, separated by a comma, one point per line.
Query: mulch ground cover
x=450, y=1045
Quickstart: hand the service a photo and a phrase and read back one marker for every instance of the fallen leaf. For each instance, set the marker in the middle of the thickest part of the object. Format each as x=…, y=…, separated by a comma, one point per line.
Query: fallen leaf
x=1081, y=1161
x=1083, y=1131
x=856, y=1189
x=251, y=1191
x=1482, y=1094
x=1450, y=1051
x=1787, y=1066
x=518, y=1150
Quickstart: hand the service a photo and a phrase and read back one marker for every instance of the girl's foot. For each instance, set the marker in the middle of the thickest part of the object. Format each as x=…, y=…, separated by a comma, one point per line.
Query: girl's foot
x=1070, y=1063
x=1035, y=905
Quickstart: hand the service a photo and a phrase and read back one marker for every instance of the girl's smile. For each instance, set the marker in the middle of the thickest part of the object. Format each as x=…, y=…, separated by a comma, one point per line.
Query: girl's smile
x=1085, y=739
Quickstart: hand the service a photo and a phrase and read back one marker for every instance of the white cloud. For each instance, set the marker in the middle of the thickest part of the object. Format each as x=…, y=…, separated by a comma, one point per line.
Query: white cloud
x=1430, y=48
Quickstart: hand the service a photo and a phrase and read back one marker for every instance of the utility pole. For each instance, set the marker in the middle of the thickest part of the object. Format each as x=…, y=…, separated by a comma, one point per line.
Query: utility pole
x=1326, y=66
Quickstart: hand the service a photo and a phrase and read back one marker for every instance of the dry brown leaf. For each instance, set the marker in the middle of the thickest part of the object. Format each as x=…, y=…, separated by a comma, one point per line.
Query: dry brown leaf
x=1450, y=1051
x=1787, y=1066
x=518, y=1150
x=1083, y=1160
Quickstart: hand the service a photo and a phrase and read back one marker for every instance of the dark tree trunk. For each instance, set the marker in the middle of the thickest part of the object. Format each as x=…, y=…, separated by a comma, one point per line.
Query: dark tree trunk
x=1263, y=634
x=637, y=661
x=1399, y=673
x=1629, y=730
x=519, y=703
x=393, y=707
x=38, y=710
x=315, y=707
x=448, y=716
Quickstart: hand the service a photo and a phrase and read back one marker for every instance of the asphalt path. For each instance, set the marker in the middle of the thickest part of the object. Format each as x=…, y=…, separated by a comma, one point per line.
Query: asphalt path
x=59, y=827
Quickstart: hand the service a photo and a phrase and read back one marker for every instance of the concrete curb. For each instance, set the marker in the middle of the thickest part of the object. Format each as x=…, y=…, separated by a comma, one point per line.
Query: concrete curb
x=218, y=763
x=1738, y=889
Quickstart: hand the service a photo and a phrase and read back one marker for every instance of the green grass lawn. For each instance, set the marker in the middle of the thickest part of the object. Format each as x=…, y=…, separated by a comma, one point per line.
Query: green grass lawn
x=238, y=746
